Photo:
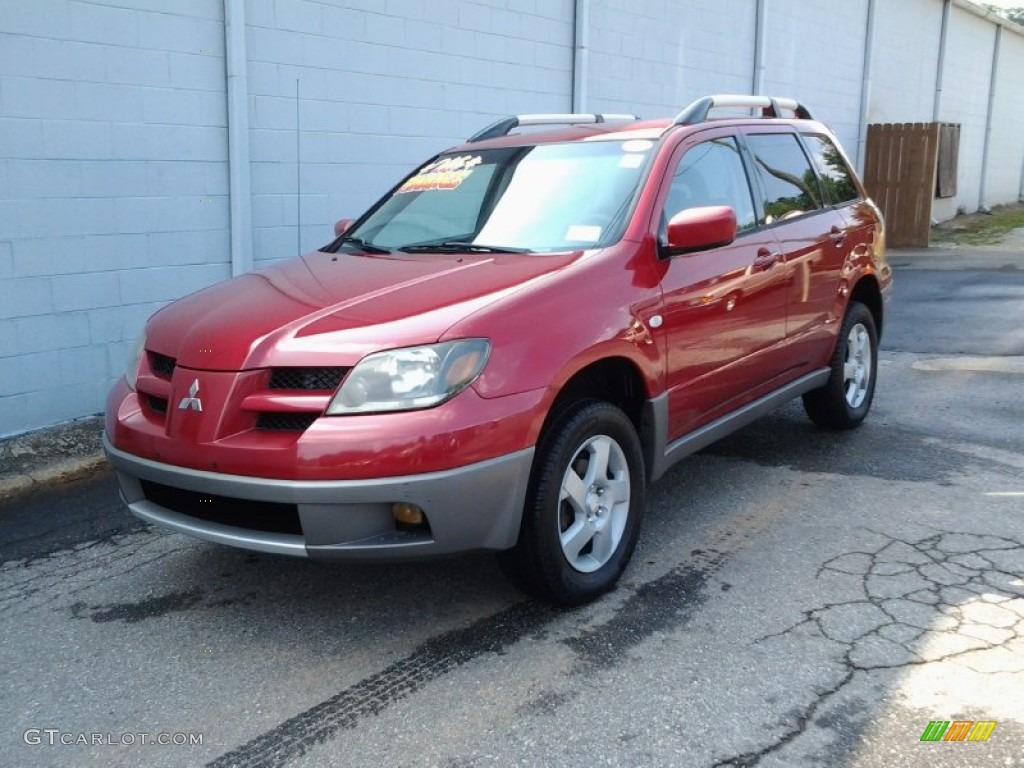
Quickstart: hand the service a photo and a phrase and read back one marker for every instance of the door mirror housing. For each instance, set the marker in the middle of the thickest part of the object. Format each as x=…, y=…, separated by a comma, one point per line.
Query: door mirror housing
x=699, y=229
x=341, y=226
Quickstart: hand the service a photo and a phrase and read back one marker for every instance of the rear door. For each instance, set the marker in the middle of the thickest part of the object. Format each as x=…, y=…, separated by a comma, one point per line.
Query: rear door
x=811, y=234
x=724, y=308
x=846, y=196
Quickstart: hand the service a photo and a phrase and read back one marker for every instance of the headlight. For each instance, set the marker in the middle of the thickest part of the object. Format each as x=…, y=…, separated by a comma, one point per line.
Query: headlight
x=411, y=378
x=131, y=366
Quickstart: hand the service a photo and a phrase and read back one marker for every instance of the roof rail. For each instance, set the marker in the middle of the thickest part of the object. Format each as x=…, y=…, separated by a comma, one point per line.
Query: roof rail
x=770, y=106
x=506, y=124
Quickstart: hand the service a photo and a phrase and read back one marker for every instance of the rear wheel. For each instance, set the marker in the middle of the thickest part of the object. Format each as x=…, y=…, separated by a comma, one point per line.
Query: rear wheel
x=583, y=509
x=844, y=401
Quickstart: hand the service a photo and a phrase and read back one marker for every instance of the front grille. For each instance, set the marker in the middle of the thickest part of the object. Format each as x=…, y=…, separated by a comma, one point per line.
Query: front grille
x=267, y=516
x=296, y=422
x=162, y=365
x=158, y=404
x=324, y=379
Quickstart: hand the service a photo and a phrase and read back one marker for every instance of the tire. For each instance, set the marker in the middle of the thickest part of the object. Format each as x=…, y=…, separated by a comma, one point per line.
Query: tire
x=584, y=504
x=844, y=401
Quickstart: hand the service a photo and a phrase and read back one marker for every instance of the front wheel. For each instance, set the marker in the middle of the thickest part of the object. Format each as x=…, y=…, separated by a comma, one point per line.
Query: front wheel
x=583, y=508
x=843, y=402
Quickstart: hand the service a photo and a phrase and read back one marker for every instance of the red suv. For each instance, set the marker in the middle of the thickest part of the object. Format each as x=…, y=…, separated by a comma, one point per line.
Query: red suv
x=507, y=347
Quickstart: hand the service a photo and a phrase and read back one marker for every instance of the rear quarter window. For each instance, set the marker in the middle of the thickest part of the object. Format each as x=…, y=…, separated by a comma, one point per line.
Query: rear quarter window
x=836, y=177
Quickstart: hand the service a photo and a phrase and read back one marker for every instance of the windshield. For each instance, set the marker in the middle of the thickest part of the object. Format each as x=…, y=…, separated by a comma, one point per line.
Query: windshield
x=542, y=198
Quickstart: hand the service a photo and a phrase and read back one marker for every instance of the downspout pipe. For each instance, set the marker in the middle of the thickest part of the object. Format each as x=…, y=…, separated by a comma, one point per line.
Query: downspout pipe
x=865, y=88
x=239, y=180
x=580, y=54
x=760, y=19
x=940, y=67
x=1020, y=193
x=993, y=77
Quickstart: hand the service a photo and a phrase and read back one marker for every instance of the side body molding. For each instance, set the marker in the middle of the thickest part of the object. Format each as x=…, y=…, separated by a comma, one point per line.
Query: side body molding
x=661, y=455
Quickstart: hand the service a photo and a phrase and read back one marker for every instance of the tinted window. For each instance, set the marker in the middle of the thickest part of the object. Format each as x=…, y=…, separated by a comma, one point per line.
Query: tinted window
x=712, y=173
x=790, y=186
x=835, y=175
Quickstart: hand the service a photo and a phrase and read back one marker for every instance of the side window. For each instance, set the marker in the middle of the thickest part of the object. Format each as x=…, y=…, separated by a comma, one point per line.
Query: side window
x=835, y=175
x=790, y=186
x=712, y=173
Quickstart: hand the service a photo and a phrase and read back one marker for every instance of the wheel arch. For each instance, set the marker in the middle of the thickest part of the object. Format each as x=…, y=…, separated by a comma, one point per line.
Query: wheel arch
x=868, y=292
x=614, y=379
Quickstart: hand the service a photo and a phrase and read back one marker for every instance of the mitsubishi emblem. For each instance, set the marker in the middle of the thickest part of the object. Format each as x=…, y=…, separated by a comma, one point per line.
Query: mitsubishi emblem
x=192, y=401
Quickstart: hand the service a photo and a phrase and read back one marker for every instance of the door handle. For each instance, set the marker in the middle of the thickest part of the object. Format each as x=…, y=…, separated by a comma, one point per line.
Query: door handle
x=767, y=259
x=838, y=235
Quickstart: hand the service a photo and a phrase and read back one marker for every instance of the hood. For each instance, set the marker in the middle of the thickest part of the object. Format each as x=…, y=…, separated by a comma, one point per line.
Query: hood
x=335, y=308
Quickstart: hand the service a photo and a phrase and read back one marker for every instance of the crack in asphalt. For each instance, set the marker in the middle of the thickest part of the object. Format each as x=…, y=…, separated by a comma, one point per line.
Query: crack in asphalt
x=56, y=519
x=43, y=579
x=954, y=588
x=753, y=758
x=653, y=606
x=958, y=588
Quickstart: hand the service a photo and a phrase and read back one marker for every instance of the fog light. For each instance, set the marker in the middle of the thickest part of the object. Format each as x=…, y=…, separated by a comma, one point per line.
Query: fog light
x=406, y=513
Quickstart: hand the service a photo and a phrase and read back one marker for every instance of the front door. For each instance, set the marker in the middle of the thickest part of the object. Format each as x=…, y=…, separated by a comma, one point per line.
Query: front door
x=725, y=308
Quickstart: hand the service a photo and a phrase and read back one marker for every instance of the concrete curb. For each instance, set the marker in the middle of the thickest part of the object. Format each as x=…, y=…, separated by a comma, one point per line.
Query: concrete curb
x=50, y=455
x=1002, y=258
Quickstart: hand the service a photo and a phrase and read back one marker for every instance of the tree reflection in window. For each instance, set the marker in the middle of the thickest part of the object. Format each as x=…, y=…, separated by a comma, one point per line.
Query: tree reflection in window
x=835, y=174
x=790, y=185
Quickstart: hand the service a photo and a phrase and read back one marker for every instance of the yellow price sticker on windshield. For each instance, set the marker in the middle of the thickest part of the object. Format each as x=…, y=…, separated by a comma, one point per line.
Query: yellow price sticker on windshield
x=444, y=174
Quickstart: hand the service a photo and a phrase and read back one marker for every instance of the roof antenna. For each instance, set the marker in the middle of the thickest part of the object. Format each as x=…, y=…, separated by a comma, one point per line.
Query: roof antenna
x=298, y=176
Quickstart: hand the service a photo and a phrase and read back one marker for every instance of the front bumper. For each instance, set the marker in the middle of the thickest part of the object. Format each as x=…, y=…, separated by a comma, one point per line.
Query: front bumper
x=478, y=506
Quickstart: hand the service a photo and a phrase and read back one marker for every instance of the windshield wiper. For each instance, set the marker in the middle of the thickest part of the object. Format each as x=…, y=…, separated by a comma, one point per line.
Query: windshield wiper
x=360, y=243
x=459, y=246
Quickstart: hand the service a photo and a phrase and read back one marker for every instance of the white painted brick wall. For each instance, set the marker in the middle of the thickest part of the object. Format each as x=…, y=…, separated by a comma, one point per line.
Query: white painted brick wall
x=1006, y=155
x=818, y=58
x=382, y=86
x=653, y=57
x=113, y=115
x=965, y=101
x=905, y=61
x=112, y=132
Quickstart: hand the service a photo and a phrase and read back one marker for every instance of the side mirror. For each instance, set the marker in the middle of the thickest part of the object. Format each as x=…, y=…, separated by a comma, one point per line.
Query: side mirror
x=342, y=225
x=698, y=229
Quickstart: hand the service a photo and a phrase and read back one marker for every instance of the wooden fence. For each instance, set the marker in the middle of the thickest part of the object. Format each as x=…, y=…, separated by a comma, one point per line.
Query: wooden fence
x=899, y=173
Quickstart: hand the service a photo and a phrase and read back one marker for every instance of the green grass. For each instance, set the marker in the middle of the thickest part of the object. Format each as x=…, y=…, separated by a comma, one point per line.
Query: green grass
x=979, y=229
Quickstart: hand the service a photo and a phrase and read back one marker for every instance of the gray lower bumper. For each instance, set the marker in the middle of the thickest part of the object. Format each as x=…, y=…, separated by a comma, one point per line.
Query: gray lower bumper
x=470, y=508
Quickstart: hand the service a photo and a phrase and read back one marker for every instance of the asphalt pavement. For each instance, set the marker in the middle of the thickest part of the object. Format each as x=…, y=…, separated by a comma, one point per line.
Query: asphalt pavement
x=798, y=598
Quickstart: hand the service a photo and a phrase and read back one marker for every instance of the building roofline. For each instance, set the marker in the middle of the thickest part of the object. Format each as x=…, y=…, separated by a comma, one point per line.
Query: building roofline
x=988, y=15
